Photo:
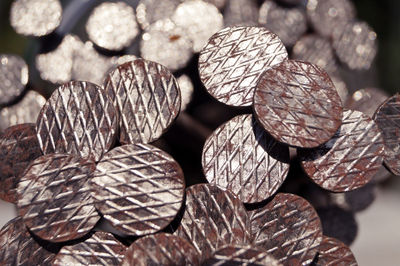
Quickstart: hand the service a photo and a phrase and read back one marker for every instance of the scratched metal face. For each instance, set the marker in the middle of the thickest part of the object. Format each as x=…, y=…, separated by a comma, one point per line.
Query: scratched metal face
x=233, y=60
x=167, y=44
x=199, y=19
x=288, y=23
x=138, y=189
x=213, y=218
x=326, y=16
x=13, y=77
x=18, y=148
x=147, y=98
x=161, y=249
x=333, y=252
x=288, y=228
x=241, y=255
x=25, y=111
x=35, y=17
x=356, y=45
x=54, y=197
x=19, y=248
x=112, y=25
x=239, y=156
x=151, y=11
x=78, y=118
x=367, y=100
x=297, y=103
x=100, y=249
x=387, y=117
x=350, y=159
x=241, y=12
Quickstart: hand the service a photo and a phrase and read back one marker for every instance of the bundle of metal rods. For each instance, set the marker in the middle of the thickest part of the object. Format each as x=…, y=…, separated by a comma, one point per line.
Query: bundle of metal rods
x=189, y=132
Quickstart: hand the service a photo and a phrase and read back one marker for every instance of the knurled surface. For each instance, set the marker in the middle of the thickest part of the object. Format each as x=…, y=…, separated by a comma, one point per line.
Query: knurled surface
x=78, y=118
x=241, y=255
x=387, y=117
x=239, y=156
x=356, y=45
x=138, y=188
x=54, y=197
x=161, y=249
x=233, y=60
x=13, y=77
x=333, y=252
x=213, y=218
x=297, y=103
x=18, y=148
x=288, y=228
x=100, y=249
x=350, y=159
x=147, y=98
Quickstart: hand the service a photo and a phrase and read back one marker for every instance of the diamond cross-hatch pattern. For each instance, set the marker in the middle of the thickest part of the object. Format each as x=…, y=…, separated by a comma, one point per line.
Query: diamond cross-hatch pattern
x=333, y=252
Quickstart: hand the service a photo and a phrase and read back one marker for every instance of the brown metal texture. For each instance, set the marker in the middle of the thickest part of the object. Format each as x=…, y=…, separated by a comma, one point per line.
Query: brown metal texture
x=54, y=197
x=233, y=60
x=387, y=117
x=213, y=218
x=241, y=12
x=356, y=45
x=367, y=100
x=147, y=98
x=288, y=228
x=333, y=252
x=78, y=118
x=18, y=148
x=297, y=103
x=327, y=16
x=100, y=249
x=161, y=249
x=288, y=23
x=138, y=188
x=350, y=159
x=19, y=248
x=241, y=157
x=13, y=77
x=241, y=255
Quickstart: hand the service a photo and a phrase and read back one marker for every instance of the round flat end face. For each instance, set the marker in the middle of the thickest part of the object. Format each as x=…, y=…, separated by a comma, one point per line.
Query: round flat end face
x=112, y=25
x=161, y=249
x=147, y=98
x=241, y=255
x=241, y=157
x=367, y=100
x=233, y=60
x=334, y=252
x=213, y=218
x=297, y=103
x=78, y=118
x=35, y=17
x=350, y=159
x=13, y=77
x=288, y=228
x=138, y=188
x=387, y=117
x=100, y=249
x=54, y=197
x=18, y=148
x=356, y=45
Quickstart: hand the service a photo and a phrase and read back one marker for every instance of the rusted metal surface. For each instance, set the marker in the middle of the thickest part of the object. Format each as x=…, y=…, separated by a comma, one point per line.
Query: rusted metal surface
x=13, y=77
x=213, y=218
x=233, y=60
x=241, y=255
x=54, y=197
x=100, y=249
x=367, y=100
x=18, y=148
x=297, y=103
x=78, y=118
x=161, y=249
x=138, y=188
x=147, y=98
x=387, y=117
x=288, y=228
x=241, y=157
x=350, y=159
x=334, y=252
